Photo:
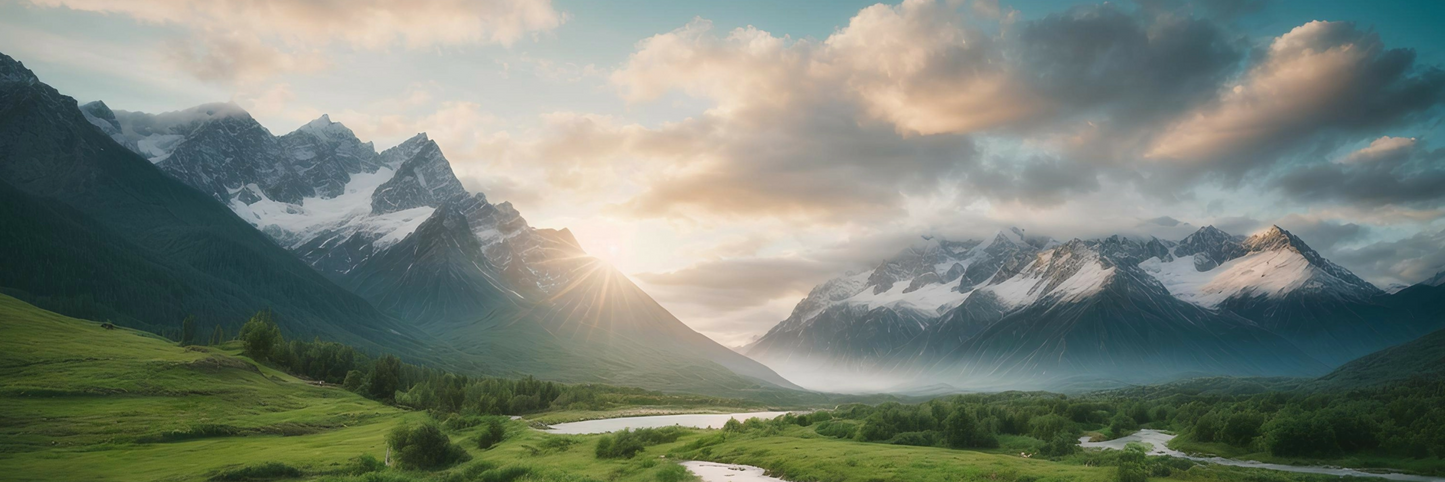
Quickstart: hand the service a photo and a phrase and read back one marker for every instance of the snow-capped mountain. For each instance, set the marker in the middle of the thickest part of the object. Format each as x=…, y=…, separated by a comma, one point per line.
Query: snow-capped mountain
x=398, y=228
x=856, y=320
x=1123, y=308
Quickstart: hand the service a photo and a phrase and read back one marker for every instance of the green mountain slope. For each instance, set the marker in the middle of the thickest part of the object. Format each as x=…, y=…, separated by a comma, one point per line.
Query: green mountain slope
x=1423, y=357
x=105, y=234
x=81, y=402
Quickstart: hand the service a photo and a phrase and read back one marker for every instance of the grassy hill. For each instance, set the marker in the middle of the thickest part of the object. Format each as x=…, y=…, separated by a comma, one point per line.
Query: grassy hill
x=82, y=402
x=1423, y=357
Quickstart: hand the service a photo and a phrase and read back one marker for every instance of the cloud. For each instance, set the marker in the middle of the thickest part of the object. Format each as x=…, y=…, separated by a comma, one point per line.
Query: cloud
x=915, y=65
x=788, y=136
x=244, y=40
x=1391, y=170
x=1123, y=69
x=1386, y=149
x=1322, y=234
x=1406, y=261
x=1320, y=77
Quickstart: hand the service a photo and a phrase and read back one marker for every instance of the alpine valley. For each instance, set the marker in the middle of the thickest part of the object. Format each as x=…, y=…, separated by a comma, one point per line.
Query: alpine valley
x=206, y=207
x=1017, y=311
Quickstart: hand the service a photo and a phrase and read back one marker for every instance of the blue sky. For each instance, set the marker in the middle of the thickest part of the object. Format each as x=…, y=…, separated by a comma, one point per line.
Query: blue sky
x=731, y=155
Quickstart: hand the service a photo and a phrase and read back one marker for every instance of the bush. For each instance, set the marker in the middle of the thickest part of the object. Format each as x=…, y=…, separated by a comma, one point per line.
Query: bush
x=1122, y=425
x=266, y=471
x=1131, y=465
x=835, y=429
x=493, y=431
x=918, y=439
x=366, y=464
x=424, y=447
x=504, y=474
x=1059, y=446
x=627, y=443
x=672, y=473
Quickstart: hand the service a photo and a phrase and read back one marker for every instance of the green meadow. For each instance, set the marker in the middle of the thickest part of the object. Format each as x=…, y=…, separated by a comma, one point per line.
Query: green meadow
x=80, y=402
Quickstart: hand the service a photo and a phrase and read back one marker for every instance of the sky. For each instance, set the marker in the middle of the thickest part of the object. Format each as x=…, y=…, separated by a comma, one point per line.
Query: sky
x=729, y=156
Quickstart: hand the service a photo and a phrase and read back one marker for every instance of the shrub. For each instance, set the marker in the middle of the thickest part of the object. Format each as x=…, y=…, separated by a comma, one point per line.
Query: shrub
x=672, y=473
x=1059, y=446
x=1122, y=425
x=627, y=443
x=366, y=464
x=266, y=471
x=918, y=439
x=835, y=429
x=504, y=474
x=493, y=431
x=424, y=447
x=1131, y=465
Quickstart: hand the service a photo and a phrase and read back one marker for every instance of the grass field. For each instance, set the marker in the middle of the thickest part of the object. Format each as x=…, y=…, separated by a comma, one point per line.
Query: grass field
x=82, y=403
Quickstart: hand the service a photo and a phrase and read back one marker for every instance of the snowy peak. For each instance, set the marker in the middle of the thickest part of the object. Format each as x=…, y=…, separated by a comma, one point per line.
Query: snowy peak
x=100, y=111
x=1209, y=247
x=1437, y=280
x=1274, y=238
x=399, y=153
x=426, y=179
x=1068, y=272
x=1277, y=239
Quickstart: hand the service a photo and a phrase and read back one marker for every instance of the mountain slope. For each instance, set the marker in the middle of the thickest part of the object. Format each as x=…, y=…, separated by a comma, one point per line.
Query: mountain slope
x=1423, y=357
x=177, y=244
x=398, y=228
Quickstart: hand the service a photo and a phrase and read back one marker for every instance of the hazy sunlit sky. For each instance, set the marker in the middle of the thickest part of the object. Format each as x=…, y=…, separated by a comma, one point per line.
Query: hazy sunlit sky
x=730, y=155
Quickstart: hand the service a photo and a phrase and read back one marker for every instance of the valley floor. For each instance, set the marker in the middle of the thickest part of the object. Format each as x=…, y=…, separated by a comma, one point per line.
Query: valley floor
x=82, y=402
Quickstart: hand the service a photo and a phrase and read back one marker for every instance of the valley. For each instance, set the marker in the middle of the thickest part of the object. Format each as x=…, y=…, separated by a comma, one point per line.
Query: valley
x=559, y=241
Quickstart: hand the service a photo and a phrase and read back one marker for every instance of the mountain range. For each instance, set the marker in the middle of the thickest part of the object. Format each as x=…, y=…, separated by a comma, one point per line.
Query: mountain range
x=148, y=218
x=1016, y=311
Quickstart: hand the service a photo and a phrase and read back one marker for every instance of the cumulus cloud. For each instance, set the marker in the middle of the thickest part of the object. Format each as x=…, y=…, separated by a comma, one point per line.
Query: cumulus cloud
x=1320, y=77
x=242, y=40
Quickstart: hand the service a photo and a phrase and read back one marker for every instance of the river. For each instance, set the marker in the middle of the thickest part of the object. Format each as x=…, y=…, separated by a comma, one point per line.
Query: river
x=697, y=420
x=1159, y=441
x=716, y=472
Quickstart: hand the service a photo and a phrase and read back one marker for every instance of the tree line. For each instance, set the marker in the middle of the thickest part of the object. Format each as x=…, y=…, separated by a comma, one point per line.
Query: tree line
x=388, y=379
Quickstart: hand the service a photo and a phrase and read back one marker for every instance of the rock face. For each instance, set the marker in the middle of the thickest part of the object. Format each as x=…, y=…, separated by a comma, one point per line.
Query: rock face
x=398, y=228
x=1107, y=311
x=425, y=178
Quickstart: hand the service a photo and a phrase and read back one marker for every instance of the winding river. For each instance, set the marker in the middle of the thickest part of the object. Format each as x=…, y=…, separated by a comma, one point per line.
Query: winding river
x=716, y=472
x=1159, y=441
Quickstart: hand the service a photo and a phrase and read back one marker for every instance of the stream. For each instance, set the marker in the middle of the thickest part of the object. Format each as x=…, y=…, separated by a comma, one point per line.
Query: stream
x=1159, y=441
